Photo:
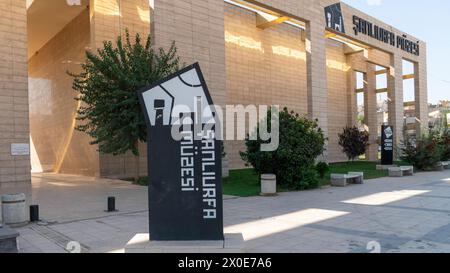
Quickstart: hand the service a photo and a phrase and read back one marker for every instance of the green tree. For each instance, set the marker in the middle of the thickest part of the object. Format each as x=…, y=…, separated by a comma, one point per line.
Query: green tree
x=108, y=85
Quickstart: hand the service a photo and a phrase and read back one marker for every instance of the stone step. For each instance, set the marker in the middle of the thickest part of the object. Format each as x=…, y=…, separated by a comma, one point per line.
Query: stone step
x=8, y=240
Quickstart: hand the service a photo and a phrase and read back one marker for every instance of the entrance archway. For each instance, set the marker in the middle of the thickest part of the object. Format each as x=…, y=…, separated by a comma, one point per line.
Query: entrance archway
x=58, y=35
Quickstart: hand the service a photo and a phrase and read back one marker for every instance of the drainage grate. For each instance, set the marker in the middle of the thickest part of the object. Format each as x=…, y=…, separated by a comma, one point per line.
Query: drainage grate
x=60, y=239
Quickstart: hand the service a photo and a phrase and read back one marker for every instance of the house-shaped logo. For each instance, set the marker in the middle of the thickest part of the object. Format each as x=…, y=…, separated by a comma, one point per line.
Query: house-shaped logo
x=334, y=18
x=388, y=132
x=183, y=95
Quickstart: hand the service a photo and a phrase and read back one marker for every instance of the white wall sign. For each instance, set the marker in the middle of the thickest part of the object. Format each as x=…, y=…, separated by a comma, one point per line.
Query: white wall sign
x=20, y=149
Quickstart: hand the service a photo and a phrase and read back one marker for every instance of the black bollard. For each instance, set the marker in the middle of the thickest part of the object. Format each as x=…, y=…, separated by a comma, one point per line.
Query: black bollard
x=34, y=213
x=111, y=204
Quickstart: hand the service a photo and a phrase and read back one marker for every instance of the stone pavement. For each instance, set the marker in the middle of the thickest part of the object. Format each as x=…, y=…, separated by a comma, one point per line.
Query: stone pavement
x=410, y=214
x=65, y=198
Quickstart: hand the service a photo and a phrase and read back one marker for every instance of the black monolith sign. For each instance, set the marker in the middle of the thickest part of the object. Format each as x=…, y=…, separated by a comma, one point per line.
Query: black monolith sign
x=184, y=159
x=387, y=145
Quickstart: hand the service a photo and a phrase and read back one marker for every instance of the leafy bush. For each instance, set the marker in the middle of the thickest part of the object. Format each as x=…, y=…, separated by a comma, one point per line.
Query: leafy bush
x=354, y=142
x=445, y=144
x=301, y=142
x=322, y=168
x=424, y=153
x=309, y=179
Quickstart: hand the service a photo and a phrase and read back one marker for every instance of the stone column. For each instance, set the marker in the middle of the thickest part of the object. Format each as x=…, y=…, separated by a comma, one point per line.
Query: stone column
x=15, y=171
x=198, y=28
x=105, y=23
x=109, y=20
x=352, y=111
x=317, y=74
x=396, y=101
x=370, y=111
x=421, y=93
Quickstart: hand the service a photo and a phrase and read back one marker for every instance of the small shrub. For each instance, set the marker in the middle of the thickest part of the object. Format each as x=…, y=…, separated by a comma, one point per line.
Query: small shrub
x=424, y=153
x=309, y=179
x=354, y=142
x=322, y=168
x=445, y=144
x=301, y=142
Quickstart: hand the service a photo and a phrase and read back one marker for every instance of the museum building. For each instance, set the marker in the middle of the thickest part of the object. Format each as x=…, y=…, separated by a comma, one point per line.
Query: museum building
x=322, y=59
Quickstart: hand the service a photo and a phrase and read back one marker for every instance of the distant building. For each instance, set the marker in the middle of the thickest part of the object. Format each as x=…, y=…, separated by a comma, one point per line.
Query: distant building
x=439, y=115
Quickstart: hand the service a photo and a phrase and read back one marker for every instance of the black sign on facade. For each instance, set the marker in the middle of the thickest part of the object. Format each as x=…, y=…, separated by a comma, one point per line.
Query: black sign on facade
x=185, y=171
x=334, y=17
x=387, y=145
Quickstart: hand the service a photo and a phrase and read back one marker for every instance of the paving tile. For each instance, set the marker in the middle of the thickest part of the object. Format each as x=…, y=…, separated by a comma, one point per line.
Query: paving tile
x=407, y=224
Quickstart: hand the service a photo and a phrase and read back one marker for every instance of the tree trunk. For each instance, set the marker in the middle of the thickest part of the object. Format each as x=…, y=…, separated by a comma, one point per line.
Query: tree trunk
x=137, y=169
x=137, y=166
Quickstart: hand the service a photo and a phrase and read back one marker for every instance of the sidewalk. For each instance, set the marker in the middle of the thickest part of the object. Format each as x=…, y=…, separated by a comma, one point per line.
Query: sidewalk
x=410, y=214
x=65, y=198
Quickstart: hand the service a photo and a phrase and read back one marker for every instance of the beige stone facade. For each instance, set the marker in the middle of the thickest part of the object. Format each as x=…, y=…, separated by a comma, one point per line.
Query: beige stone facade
x=295, y=62
x=14, y=121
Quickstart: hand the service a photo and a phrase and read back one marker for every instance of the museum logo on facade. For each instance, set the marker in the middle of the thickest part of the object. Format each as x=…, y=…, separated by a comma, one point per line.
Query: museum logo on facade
x=334, y=18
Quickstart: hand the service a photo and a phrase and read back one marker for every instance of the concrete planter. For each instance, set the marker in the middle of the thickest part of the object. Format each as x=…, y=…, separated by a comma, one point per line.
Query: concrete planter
x=268, y=185
x=14, y=209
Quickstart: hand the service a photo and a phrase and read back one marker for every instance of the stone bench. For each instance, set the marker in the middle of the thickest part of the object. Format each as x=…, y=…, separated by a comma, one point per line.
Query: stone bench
x=385, y=167
x=401, y=171
x=442, y=166
x=342, y=180
x=8, y=240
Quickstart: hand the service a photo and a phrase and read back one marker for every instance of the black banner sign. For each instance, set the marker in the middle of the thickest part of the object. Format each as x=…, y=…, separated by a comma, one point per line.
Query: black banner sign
x=387, y=145
x=184, y=159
